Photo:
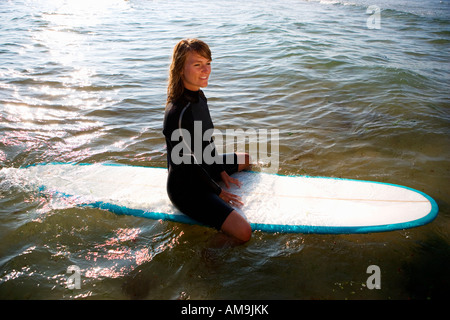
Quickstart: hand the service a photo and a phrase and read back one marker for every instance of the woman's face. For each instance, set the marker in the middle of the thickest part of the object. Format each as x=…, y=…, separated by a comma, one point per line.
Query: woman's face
x=196, y=71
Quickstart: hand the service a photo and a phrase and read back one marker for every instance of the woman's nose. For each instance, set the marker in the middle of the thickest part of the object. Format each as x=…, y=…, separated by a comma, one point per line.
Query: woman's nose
x=206, y=69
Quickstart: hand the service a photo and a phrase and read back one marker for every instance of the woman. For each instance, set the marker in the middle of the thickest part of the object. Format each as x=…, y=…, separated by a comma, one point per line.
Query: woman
x=191, y=183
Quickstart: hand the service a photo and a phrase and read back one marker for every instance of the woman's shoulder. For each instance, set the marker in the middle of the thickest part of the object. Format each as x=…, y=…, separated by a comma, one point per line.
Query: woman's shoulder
x=176, y=104
x=174, y=108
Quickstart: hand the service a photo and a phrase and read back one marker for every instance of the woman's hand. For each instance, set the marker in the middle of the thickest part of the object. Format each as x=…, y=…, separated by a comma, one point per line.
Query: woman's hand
x=231, y=198
x=228, y=196
x=227, y=180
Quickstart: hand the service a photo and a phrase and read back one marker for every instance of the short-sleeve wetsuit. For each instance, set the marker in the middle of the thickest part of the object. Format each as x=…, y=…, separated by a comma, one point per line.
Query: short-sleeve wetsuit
x=191, y=183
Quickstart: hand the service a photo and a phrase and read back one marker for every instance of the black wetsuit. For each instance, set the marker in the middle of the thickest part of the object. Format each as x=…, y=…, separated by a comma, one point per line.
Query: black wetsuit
x=191, y=183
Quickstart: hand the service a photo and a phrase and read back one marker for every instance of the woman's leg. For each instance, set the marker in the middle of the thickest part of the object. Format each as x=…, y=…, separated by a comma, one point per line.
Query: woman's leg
x=235, y=225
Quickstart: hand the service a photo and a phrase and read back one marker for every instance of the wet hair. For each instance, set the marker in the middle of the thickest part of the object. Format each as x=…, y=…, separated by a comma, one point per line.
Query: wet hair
x=175, y=85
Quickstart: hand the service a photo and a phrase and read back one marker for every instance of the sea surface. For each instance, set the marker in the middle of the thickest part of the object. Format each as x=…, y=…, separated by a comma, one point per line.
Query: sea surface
x=357, y=89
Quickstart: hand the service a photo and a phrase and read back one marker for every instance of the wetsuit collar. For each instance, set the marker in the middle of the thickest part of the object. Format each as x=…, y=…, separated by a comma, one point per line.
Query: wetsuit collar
x=193, y=96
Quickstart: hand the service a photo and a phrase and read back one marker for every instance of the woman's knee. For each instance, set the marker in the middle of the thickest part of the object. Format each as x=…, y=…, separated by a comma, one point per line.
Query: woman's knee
x=244, y=161
x=236, y=226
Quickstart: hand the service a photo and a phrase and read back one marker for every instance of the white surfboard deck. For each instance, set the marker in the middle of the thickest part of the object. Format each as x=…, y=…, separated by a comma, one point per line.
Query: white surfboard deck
x=272, y=203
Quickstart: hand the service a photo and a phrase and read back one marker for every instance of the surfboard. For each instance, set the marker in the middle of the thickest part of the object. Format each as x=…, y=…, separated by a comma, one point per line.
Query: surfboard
x=272, y=202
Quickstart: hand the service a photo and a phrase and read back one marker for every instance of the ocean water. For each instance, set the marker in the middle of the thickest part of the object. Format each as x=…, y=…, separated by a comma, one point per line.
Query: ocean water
x=357, y=89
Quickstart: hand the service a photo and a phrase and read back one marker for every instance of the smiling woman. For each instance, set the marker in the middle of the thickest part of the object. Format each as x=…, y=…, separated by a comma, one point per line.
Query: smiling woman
x=192, y=184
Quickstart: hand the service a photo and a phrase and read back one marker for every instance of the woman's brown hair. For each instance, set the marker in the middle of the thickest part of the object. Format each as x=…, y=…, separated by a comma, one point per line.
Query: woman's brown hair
x=175, y=86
